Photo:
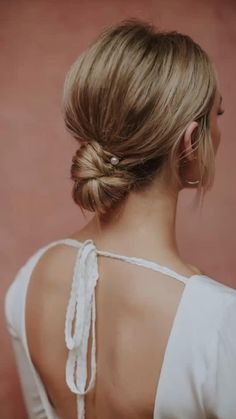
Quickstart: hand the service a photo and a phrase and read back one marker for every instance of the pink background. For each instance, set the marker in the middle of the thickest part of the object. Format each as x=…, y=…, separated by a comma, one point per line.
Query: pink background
x=39, y=40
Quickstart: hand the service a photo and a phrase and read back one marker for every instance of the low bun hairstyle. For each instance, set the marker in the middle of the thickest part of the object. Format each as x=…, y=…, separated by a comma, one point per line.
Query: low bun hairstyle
x=98, y=184
x=132, y=94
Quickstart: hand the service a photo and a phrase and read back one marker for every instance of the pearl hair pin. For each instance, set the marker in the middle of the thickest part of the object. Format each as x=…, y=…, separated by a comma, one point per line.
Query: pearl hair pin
x=114, y=160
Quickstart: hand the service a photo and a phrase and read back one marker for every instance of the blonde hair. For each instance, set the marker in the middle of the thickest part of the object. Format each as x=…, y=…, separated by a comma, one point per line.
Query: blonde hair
x=132, y=94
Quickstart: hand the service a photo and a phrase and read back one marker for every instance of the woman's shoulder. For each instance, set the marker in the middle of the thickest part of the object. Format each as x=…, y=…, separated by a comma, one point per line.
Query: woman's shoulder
x=47, y=264
x=208, y=341
x=220, y=349
x=219, y=288
x=211, y=312
x=205, y=305
x=211, y=295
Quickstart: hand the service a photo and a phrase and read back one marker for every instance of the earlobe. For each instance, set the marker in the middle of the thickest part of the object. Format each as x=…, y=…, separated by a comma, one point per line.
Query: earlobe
x=189, y=140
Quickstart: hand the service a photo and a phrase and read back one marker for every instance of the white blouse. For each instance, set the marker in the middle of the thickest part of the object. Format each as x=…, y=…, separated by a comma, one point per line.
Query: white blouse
x=198, y=375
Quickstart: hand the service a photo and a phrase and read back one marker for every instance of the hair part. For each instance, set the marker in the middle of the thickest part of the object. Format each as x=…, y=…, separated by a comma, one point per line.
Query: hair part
x=132, y=94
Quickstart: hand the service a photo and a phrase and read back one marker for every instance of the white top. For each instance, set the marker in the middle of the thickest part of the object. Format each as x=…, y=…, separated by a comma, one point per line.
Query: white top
x=198, y=375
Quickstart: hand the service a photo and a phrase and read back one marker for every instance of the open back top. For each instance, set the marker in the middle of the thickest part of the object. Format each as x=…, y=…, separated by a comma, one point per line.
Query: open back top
x=198, y=374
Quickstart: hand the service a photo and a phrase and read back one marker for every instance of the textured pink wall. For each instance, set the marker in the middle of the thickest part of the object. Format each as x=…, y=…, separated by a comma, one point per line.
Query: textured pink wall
x=39, y=40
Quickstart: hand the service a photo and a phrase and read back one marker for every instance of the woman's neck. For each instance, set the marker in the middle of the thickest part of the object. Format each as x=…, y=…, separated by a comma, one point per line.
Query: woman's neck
x=144, y=227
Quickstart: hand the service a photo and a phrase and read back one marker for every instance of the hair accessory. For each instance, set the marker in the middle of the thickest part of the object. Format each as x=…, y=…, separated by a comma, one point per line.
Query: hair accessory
x=114, y=160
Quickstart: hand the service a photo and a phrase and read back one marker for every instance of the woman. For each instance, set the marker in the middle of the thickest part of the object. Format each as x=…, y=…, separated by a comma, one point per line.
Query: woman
x=113, y=312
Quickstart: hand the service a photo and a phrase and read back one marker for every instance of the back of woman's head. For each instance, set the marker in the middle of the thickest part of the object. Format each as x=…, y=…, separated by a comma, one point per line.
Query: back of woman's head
x=131, y=95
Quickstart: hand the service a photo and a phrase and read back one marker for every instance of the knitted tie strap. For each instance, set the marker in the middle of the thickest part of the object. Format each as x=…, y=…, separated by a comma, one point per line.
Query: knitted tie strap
x=81, y=310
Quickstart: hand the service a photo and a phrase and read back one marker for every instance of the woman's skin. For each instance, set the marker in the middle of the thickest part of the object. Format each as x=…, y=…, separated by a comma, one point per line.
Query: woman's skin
x=135, y=306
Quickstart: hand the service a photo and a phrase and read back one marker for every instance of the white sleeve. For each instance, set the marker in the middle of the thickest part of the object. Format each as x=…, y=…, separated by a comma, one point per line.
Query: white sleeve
x=33, y=391
x=223, y=381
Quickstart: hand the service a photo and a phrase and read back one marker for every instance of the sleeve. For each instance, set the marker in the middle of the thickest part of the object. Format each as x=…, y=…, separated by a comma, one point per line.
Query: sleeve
x=34, y=394
x=222, y=392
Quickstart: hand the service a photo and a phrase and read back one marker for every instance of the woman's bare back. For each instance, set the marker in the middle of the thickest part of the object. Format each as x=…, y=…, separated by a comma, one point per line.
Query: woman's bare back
x=135, y=309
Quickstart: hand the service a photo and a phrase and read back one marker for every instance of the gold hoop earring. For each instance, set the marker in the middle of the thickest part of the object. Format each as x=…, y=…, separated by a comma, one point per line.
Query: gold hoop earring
x=192, y=182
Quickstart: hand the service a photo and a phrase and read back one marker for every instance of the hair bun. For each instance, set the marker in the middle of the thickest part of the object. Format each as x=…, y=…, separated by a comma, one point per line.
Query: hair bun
x=90, y=162
x=99, y=184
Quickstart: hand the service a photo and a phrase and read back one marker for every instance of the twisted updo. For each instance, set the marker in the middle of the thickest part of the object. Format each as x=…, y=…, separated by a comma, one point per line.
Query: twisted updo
x=132, y=94
x=98, y=184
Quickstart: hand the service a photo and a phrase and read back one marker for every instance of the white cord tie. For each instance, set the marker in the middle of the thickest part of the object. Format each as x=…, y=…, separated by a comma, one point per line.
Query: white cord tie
x=80, y=311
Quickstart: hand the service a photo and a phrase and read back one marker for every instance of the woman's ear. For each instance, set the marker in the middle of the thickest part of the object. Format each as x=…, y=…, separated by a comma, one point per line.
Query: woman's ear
x=187, y=144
